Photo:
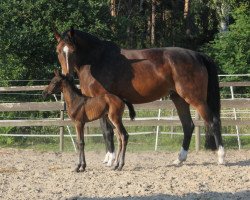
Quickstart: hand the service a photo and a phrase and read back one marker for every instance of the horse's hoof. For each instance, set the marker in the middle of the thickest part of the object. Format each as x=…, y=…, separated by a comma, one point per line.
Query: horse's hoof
x=178, y=162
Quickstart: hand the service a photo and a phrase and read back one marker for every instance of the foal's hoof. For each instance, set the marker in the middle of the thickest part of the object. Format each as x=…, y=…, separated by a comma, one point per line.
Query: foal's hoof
x=80, y=169
x=115, y=167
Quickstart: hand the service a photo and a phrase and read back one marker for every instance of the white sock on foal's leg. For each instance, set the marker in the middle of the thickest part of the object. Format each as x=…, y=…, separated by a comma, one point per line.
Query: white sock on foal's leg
x=181, y=157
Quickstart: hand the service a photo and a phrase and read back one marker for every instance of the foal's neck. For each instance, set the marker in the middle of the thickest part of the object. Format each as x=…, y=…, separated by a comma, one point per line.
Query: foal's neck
x=73, y=98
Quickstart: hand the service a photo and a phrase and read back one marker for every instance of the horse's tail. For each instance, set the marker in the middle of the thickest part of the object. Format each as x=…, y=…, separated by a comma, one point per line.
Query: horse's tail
x=213, y=100
x=131, y=109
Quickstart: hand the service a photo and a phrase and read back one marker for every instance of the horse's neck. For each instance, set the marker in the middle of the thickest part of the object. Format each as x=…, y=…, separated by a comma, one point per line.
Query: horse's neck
x=88, y=84
x=73, y=100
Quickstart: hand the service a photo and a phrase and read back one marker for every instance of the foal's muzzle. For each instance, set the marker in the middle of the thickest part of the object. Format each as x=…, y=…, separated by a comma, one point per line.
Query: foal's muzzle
x=45, y=94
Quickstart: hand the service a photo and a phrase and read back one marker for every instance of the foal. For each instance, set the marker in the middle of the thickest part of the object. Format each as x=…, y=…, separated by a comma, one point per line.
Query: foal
x=82, y=109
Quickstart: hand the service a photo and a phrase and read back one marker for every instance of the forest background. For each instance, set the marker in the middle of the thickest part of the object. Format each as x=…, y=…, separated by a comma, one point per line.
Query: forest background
x=219, y=28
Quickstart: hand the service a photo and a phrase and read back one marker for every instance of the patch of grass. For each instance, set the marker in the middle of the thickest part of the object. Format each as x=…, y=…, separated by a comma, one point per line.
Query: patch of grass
x=137, y=143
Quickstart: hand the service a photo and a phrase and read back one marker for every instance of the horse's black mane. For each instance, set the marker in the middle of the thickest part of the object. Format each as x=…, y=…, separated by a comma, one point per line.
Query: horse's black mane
x=108, y=45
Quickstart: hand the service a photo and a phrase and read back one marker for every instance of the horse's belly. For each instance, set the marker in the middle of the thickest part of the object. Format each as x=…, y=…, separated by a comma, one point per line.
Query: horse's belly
x=145, y=92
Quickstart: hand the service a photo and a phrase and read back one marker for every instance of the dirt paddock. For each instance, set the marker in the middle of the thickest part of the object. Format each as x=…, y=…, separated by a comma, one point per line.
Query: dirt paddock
x=27, y=174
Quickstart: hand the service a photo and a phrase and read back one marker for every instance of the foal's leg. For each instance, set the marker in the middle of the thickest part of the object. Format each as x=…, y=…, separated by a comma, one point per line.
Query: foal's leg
x=124, y=137
x=119, y=148
x=213, y=123
x=108, y=135
x=80, y=140
x=187, y=123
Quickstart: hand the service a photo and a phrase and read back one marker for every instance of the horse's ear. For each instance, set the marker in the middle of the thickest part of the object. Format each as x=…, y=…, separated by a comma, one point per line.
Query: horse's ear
x=57, y=35
x=72, y=32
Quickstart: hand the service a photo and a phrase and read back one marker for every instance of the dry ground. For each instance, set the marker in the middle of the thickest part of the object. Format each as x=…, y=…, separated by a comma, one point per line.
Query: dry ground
x=27, y=174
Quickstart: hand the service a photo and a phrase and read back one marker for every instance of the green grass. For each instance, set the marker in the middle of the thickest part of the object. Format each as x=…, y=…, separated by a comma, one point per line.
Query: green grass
x=137, y=143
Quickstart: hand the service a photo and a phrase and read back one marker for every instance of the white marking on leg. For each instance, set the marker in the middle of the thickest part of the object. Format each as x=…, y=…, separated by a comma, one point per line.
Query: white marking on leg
x=111, y=159
x=106, y=158
x=181, y=157
x=66, y=51
x=221, y=155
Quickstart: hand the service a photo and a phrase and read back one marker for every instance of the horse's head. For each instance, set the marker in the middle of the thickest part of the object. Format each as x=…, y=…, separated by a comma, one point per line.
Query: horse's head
x=76, y=48
x=67, y=50
x=55, y=85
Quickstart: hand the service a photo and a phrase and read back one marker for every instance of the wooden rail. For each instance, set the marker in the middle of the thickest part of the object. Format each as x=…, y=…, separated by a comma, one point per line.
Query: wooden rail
x=154, y=121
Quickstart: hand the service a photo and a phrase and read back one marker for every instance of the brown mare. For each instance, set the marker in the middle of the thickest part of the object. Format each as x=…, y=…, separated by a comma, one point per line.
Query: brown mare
x=140, y=76
x=82, y=109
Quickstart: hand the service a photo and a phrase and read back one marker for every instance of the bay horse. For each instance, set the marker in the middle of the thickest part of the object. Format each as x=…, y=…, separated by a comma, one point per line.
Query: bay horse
x=140, y=76
x=82, y=109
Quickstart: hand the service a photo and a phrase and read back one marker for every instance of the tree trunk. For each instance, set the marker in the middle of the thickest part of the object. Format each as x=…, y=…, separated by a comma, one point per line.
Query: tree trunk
x=186, y=8
x=187, y=17
x=153, y=13
x=112, y=8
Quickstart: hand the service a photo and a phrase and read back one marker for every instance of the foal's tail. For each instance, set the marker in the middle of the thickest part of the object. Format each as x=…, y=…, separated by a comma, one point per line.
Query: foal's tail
x=213, y=100
x=131, y=109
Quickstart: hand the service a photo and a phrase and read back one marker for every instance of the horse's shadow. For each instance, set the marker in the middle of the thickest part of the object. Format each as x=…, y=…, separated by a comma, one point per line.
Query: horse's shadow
x=243, y=195
x=241, y=163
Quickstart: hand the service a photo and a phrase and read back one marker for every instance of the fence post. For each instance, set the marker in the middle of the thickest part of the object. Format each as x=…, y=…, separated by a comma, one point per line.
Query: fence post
x=62, y=127
x=235, y=117
x=157, y=129
x=197, y=132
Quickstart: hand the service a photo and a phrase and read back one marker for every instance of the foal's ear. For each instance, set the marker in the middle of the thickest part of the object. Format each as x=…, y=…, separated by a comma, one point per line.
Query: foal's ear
x=71, y=32
x=70, y=77
x=56, y=72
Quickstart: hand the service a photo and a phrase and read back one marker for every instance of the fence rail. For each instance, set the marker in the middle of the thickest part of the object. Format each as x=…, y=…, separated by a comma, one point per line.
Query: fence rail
x=153, y=121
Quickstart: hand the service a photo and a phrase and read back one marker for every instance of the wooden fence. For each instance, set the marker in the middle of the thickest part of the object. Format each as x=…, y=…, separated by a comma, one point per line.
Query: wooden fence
x=153, y=121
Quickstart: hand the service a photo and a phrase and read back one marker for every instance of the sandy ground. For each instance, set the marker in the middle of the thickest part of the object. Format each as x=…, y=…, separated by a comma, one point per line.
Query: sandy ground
x=27, y=174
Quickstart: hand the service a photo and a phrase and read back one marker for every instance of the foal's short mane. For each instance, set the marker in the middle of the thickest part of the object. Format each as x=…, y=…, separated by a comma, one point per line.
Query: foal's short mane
x=72, y=84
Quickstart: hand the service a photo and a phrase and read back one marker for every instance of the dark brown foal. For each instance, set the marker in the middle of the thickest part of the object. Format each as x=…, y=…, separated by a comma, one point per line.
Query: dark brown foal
x=82, y=109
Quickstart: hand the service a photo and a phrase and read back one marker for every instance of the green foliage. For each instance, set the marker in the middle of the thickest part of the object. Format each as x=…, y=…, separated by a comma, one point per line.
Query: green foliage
x=230, y=49
x=28, y=46
x=26, y=36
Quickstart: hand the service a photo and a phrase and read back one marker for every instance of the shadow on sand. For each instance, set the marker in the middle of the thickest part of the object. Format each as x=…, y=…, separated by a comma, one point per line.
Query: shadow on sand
x=244, y=195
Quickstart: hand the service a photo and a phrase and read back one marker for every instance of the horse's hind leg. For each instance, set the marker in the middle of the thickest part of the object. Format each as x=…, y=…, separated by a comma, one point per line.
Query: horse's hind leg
x=108, y=135
x=213, y=124
x=187, y=123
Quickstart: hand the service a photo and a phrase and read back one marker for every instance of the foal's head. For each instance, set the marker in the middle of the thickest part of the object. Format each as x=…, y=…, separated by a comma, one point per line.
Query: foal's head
x=55, y=85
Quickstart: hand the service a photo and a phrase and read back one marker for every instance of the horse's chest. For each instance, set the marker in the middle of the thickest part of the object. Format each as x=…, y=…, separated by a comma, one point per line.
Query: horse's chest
x=92, y=88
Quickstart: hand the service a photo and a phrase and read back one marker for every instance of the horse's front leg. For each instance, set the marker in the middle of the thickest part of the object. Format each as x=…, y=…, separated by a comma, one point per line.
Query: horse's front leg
x=80, y=141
